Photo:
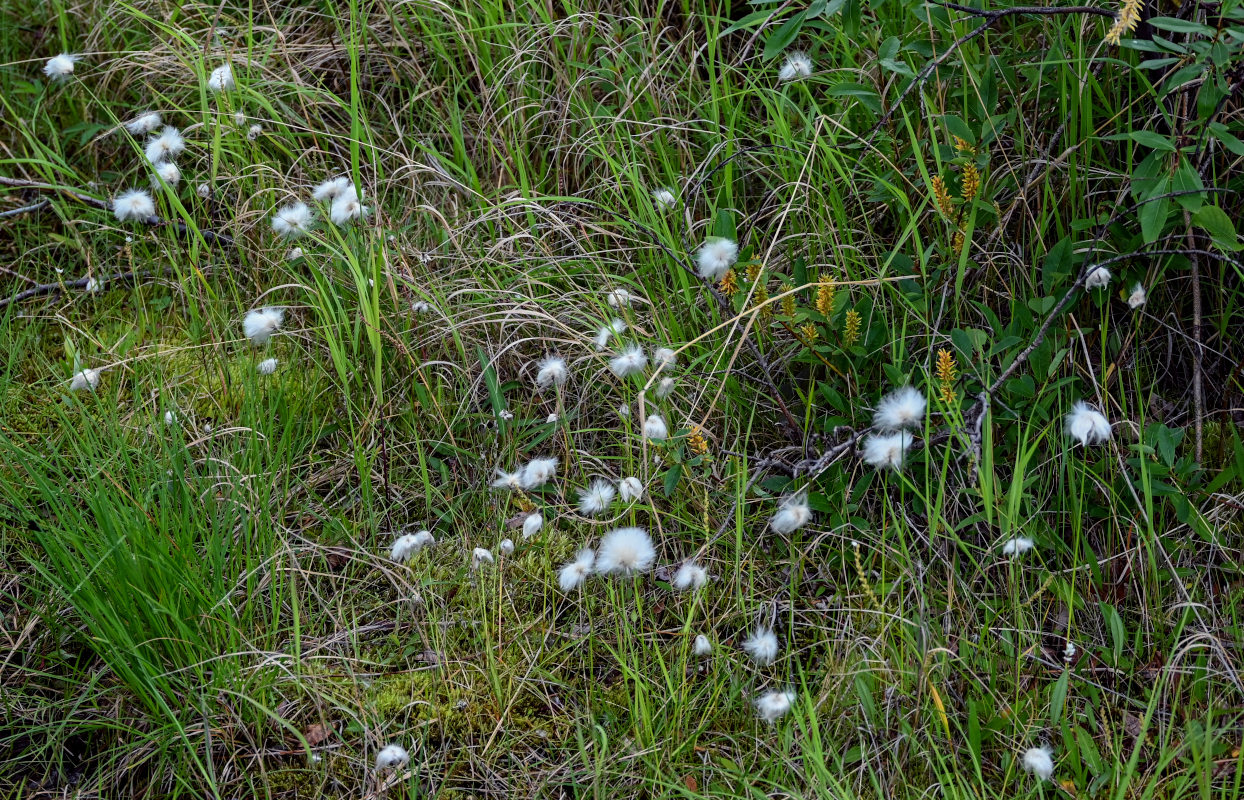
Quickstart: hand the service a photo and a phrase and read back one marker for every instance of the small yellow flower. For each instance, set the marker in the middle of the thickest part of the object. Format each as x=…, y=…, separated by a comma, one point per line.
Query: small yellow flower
x=944, y=203
x=753, y=271
x=788, y=302
x=825, y=298
x=851, y=330
x=808, y=333
x=956, y=242
x=971, y=182
x=729, y=284
x=1125, y=21
x=696, y=442
x=964, y=146
x=946, y=373
x=760, y=299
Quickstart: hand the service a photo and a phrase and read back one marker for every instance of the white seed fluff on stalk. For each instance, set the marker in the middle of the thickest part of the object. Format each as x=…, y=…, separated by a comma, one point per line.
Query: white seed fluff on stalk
x=532, y=525
x=144, y=123
x=133, y=204
x=294, y=254
x=631, y=361
x=772, y=706
x=347, y=208
x=168, y=145
x=887, y=451
x=630, y=489
x=1087, y=425
x=204, y=190
x=702, y=646
x=796, y=67
x=507, y=480
x=480, y=556
x=1099, y=278
x=1137, y=298
x=791, y=515
x=551, y=418
x=762, y=646
x=392, y=756
x=239, y=118
x=221, y=79
x=253, y=132
x=573, y=575
x=260, y=323
x=715, y=257
x=1017, y=546
x=420, y=307
x=537, y=472
x=618, y=298
x=1069, y=652
x=167, y=172
x=408, y=546
x=690, y=576
x=331, y=189
x=664, y=198
x=625, y=551
x=267, y=366
x=664, y=357
x=92, y=286
x=606, y=332
x=664, y=388
x=552, y=372
x=655, y=428
x=902, y=408
x=84, y=379
x=60, y=67
x=292, y=221
x=506, y=547
x=170, y=417
x=1039, y=761
x=597, y=498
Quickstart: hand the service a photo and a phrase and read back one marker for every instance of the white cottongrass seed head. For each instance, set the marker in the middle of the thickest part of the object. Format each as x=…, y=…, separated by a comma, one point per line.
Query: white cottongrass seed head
x=168, y=145
x=506, y=547
x=1137, y=298
x=596, y=499
x=702, y=647
x=1039, y=761
x=60, y=67
x=507, y=480
x=625, y=551
x=631, y=489
x=655, y=428
x=537, y=472
x=631, y=361
x=1017, y=546
x=773, y=705
x=619, y=298
x=146, y=122
x=260, y=323
x=167, y=172
x=392, y=756
x=253, y=132
x=407, y=546
x=552, y=372
x=204, y=190
x=606, y=332
x=292, y=221
x=1098, y=278
x=715, y=257
x=762, y=646
x=84, y=379
x=901, y=408
x=887, y=451
x=133, y=204
x=331, y=189
x=170, y=417
x=664, y=389
x=573, y=575
x=347, y=207
x=480, y=556
x=664, y=357
x=1087, y=425
x=92, y=286
x=533, y=524
x=792, y=514
x=664, y=198
x=796, y=67
x=267, y=366
x=221, y=79
x=689, y=577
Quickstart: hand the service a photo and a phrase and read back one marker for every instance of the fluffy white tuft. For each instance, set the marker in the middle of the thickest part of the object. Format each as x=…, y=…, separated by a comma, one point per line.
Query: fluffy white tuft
x=331, y=189
x=261, y=323
x=408, y=546
x=702, y=646
x=655, y=428
x=86, y=379
x=551, y=418
x=1137, y=298
x=690, y=576
x=133, y=204
x=507, y=480
x=791, y=515
x=292, y=221
x=60, y=67
x=168, y=145
x=267, y=366
x=253, y=132
x=625, y=551
x=537, y=472
x=1039, y=761
x=167, y=172
x=902, y=408
x=1017, y=546
x=631, y=489
x=664, y=357
x=170, y=417
x=606, y=332
x=796, y=67
x=294, y=254
x=762, y=646
x=506, y=547
x=393, y=756
x=631, y=361
x=347, y=207
x=597, y=498
x=576, y=572
x=715, y=257
x=420, y=307
x=887, y=451
x=552, y=372
x=532, y=525
x=144, y=123
x=619, y=298
x=482, y=555
x=1099, y=278
x=664, y=198
x=665, y=388
x=1087, y=425
x=203, y=190
x=92, y=286
x=221, y=79
x=772, y=706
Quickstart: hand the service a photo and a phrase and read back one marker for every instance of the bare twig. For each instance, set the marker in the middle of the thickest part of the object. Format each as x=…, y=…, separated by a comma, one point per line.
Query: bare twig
x=15, y=212
x=42, y=289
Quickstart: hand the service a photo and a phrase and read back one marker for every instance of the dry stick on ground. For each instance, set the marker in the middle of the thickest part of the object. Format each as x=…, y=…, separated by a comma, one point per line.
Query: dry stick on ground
x=41, y=289
x=1198, y=368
